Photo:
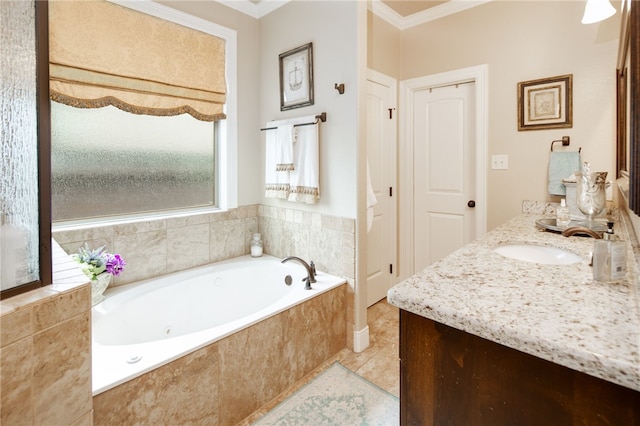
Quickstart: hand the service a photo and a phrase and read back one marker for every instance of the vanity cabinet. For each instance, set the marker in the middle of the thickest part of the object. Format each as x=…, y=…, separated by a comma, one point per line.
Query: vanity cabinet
x=450, y=377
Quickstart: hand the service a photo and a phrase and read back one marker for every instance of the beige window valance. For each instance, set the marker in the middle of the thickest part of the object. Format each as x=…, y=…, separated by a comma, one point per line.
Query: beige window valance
x=105, y=54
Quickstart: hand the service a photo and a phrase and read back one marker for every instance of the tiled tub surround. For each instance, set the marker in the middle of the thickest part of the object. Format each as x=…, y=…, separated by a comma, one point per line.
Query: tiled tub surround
x=153, y=248
x=226, y=381
x=554, y=312
x=161, y=319
x=157, y=247
x=328, y=240
x=45, y=351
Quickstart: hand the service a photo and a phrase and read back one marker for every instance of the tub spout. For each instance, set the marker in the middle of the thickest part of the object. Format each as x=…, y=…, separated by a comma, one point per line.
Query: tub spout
x=311, y=276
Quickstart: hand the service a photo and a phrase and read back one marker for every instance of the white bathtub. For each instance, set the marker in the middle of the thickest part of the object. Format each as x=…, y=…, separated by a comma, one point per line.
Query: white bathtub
x=144, y=325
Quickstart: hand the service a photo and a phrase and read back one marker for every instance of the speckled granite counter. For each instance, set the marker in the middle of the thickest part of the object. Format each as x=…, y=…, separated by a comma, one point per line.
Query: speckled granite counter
x=554, y=312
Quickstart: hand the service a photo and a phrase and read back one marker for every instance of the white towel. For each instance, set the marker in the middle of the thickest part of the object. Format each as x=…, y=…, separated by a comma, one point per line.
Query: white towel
x=276, y=183
x=562, y=164
x=305, y=179
x=371, y=199
x=284, y=147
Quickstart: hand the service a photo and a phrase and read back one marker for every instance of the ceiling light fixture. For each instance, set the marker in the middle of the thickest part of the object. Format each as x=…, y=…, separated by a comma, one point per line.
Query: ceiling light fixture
x=597, y=10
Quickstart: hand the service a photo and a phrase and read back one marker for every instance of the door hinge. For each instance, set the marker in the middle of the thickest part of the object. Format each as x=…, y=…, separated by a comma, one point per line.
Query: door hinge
x=391, y=268
x=390, y=191
x=391, y=113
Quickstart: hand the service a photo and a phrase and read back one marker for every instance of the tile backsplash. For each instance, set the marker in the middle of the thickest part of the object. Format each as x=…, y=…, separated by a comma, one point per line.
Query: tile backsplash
x=156, y=247
x=327, y=240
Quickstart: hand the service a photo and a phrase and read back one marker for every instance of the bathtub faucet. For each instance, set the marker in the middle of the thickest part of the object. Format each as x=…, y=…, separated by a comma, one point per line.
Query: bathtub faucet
x=311, y=270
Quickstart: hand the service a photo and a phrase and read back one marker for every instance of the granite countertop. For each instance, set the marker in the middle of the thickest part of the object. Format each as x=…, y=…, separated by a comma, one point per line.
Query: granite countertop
x=554, y=312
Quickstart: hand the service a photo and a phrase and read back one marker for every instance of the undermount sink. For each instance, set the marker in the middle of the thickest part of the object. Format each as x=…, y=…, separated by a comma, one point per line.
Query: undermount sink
x=537, y=254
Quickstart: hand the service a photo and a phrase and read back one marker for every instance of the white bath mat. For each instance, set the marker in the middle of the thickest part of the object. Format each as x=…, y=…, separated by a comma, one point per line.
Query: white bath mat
x=337, y=397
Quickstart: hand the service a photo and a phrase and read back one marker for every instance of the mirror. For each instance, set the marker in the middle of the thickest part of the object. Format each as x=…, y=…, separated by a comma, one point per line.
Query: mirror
x=622, y=91
x=628, y=121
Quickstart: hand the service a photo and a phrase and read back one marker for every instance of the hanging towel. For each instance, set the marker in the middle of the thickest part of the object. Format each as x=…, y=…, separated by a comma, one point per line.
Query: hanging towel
x=276, y=183
x=305, y=179
x=284, y=147
x=371, y=199
x=562, y=164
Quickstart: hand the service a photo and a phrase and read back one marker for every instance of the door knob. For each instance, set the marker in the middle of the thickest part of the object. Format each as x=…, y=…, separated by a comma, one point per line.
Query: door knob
x=471, y=203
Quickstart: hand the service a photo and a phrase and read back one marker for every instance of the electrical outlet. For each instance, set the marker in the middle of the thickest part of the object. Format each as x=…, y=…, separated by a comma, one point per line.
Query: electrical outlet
x=499, y=162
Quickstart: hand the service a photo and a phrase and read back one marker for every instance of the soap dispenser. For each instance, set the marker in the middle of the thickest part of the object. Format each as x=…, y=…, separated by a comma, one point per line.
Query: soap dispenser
x=609, y=257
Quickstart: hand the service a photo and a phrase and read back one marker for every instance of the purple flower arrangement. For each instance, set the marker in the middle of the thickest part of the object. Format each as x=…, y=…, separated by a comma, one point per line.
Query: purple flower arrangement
x=98, y=261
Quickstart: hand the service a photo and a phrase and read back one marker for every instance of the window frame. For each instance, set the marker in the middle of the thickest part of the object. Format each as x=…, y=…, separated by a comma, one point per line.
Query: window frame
x=225, y=132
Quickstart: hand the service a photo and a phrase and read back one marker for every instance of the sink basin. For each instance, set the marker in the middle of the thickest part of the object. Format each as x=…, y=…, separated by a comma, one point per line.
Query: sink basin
x=537, y=254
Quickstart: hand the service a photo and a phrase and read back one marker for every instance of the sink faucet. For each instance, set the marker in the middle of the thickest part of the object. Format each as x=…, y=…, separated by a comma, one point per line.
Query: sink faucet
x=581, y=230
x=311, y=270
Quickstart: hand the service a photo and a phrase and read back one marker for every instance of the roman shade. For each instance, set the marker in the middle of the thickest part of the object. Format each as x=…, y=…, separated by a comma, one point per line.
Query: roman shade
x=105, y=54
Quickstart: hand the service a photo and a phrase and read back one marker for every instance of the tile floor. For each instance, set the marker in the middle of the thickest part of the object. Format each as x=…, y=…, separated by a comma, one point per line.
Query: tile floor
x=379, y=363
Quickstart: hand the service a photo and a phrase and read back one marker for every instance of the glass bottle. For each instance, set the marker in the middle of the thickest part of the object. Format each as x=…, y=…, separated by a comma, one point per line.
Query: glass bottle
x=562, y=214
x=609, y=257
x=256, y=246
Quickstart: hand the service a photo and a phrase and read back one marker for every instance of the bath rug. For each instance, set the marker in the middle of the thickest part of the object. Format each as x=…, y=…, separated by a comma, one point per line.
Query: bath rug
x=337, y=397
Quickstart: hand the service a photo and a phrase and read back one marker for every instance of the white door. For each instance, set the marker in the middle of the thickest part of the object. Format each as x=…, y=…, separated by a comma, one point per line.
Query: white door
x=381, y=156
x=444, y=171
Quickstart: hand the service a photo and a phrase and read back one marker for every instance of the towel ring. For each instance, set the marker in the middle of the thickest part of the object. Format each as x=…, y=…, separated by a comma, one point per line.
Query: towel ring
x=564, y=140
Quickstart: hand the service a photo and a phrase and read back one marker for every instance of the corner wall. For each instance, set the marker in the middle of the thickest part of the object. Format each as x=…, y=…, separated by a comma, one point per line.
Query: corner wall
x=334, y=28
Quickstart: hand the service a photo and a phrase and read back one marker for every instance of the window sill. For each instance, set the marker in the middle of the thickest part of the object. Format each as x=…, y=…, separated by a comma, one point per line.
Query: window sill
x=129, y=219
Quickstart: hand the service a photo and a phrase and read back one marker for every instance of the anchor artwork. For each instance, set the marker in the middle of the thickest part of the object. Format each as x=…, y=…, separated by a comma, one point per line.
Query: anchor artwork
x=296, y=77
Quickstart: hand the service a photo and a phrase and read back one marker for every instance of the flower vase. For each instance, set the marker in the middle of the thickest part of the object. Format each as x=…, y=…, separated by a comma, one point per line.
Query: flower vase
x=98, y=286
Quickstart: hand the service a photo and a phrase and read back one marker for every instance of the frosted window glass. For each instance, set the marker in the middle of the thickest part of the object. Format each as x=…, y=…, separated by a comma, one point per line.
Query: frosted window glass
x=107, y=162
x=19, y=228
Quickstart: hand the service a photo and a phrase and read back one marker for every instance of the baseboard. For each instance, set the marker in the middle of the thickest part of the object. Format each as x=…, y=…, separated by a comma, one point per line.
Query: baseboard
x=361, y=339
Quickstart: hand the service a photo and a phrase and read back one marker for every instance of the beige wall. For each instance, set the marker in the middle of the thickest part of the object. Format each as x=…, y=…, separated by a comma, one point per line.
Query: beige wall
x=520, y=41
x=335, y=29
x=384, y=41
x=331, y=26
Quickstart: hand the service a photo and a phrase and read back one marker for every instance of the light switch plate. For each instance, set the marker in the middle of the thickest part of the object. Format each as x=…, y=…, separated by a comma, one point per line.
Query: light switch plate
x=500, y=162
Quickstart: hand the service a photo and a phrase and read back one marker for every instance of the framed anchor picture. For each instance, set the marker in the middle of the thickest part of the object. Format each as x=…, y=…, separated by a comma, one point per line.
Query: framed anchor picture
x=296, y=77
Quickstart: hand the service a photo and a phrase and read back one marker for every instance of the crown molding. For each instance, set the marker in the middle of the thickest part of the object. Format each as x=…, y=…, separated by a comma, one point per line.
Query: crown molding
x=383, y=11
x=449, y=8
x=268, y=6
x=252, y=9
x=380, y=9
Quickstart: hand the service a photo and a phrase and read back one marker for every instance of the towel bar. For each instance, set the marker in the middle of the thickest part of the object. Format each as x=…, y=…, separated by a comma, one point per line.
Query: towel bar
x=320, y=117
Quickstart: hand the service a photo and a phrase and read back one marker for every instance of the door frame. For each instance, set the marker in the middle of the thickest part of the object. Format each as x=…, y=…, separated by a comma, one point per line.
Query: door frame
x=479, y=75
x=386, y=80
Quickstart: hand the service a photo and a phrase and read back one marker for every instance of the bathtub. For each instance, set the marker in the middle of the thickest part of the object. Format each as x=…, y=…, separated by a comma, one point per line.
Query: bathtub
x=142, y=326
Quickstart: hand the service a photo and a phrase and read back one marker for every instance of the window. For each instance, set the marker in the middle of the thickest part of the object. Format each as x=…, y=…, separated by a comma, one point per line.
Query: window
x=107, y=162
